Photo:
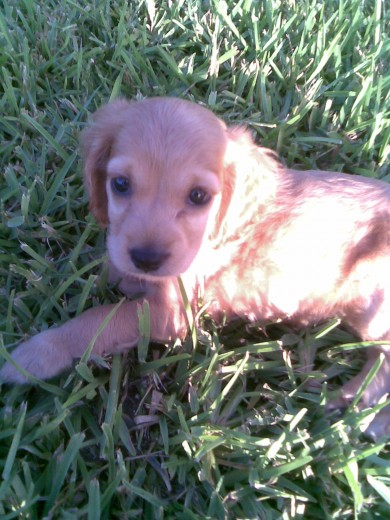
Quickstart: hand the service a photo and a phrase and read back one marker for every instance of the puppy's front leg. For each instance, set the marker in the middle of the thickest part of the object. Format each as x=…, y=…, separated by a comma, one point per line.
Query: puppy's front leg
x=54, y=350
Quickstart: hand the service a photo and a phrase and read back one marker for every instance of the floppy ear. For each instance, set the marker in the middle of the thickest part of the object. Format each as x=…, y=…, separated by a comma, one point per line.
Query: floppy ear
x=97, y=141
x=249, y=178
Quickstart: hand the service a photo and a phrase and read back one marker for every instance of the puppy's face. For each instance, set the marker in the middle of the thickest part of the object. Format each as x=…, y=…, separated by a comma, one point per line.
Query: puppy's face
x=162, y=182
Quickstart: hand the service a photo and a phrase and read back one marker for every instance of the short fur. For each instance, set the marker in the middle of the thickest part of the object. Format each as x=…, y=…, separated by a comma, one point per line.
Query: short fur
x=265, y=242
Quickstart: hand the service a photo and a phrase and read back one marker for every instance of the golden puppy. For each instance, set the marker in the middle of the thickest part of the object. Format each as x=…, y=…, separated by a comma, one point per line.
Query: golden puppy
x=182, y=194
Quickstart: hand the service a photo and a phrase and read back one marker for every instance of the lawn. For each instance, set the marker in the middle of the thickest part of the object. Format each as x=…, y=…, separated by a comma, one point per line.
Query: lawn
x=233, y=427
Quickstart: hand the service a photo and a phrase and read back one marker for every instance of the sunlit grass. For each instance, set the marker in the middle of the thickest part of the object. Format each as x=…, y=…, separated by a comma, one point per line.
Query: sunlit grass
x=235, y=428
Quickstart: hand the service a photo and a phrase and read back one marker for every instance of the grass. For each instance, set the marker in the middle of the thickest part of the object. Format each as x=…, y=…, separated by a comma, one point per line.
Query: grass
x=236, y=427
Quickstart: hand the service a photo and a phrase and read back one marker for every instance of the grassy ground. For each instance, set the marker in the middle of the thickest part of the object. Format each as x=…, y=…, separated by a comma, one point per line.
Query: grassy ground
x=232, y=429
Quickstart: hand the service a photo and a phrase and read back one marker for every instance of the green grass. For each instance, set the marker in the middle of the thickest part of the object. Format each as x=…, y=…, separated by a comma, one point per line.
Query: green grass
x=235, y=428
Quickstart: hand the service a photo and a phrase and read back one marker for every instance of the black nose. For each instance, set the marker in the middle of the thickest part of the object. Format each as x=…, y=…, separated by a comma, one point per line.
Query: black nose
x=148, y=259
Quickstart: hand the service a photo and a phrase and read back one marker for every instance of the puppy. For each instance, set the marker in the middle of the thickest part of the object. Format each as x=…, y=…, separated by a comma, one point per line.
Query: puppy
x=182, y=194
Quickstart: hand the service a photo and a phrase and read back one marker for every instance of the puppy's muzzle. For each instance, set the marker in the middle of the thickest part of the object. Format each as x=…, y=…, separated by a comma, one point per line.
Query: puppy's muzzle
x=148, y=259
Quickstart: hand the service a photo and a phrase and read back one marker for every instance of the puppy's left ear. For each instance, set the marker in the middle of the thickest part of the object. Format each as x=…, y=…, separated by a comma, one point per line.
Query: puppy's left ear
x=249, y=178
x=97, y=141
x=238, y=154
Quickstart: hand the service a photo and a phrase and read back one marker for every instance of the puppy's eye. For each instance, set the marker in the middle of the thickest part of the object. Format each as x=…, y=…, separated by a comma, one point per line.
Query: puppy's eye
x=120, y=186
x=199, y=197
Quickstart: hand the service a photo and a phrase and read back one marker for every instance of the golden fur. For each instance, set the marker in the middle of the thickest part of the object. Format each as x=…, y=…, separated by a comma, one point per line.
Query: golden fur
x=182, y=194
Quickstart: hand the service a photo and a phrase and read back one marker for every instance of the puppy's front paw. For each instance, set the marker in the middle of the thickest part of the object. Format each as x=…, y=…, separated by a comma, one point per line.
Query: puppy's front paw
x=43, y=356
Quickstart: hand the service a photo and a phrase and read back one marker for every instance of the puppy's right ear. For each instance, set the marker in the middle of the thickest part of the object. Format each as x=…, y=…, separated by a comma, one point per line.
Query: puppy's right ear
x=97, y=140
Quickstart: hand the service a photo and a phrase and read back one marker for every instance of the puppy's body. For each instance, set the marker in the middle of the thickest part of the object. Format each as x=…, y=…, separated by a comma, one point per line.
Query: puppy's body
x=184, y=195
x=313, y=253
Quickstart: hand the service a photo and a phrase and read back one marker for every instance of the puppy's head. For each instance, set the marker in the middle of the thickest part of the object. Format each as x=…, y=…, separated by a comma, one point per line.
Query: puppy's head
x=153, y=170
